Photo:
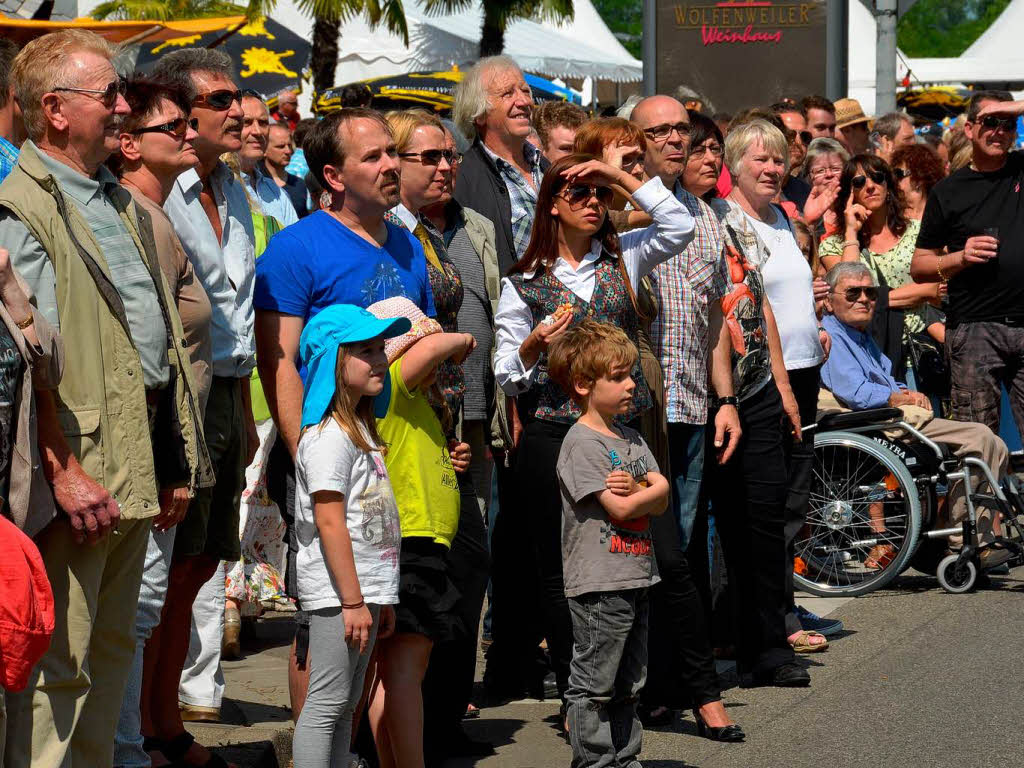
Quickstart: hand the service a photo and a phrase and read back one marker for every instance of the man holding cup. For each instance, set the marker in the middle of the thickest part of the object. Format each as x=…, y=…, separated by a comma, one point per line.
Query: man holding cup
x=972, y=235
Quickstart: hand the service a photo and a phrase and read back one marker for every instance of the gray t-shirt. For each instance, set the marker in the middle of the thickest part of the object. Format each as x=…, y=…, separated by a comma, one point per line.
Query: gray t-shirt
x=598, y=554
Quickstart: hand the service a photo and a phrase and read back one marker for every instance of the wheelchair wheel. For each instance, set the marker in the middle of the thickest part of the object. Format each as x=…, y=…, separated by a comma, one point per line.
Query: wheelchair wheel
x=956, y=579
x=863, y=501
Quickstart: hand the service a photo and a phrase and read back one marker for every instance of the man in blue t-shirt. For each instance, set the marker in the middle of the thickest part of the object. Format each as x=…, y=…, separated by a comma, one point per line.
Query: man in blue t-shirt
x=345, y=253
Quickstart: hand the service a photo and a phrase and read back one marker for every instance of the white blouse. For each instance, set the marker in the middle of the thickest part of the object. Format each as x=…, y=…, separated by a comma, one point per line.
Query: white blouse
x=642, y=251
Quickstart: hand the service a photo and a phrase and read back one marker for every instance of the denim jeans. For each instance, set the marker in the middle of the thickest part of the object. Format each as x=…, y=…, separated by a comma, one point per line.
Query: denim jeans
x=686, y=446
x=128, y=752
x=608, y=669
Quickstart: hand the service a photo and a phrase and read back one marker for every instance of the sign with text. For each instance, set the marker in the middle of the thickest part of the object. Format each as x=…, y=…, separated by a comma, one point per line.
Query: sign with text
x=742, y=54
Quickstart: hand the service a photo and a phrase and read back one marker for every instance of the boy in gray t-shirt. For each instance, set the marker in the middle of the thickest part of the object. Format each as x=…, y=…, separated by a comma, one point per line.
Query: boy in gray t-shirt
x=610, y=486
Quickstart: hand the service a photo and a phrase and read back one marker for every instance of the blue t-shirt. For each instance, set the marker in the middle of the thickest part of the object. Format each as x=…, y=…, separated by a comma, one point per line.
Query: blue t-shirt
x=319, y=262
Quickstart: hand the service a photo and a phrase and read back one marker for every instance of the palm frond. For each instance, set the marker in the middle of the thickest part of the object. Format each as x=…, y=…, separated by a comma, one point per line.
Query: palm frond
x=441, y=7
x=135, y=10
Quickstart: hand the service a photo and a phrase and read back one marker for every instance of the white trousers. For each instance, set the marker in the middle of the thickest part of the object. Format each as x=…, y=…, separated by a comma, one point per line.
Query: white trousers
x=202, y=679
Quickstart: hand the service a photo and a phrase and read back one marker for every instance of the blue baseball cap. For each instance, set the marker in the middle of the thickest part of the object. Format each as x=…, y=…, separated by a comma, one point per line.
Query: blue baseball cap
x=318, y=348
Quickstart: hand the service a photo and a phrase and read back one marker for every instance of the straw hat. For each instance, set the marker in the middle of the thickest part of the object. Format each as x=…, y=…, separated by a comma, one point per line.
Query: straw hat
x=420, y=324
x=849, y=112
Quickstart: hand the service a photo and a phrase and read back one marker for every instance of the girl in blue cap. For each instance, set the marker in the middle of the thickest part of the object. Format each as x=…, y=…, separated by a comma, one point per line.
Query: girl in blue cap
x=346, y=522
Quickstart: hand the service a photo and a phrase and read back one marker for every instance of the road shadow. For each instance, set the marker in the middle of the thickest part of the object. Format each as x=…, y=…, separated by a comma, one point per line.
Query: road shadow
x=497, y=732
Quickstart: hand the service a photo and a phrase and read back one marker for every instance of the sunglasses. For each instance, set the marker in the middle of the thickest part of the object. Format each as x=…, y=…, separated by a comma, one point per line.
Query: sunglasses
x=107, y=96
x=902, y=173
x=991, y=121
x=853, y=294
x=858, y=182
x=178, y=127
x=579, y=195
x=662, y=132
x=218, y=100
x=433, y=156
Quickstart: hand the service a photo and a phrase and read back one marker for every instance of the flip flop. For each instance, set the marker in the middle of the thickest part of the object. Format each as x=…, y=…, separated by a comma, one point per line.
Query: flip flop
x=801, y=642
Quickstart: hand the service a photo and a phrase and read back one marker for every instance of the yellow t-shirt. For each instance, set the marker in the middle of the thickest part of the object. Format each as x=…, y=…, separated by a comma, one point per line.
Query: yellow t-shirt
x=418, y=462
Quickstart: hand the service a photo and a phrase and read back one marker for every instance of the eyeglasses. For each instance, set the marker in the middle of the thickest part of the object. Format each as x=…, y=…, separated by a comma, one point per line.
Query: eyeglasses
x=853, y=294
x=830, y=170
x=857, y=182
x=714, y=148
x=108, y=96
x=901, y=173
x=805, y=137
x=177, y=127
x=218, y=100
x=433, y=156
x=991, y=121
x=579, y=195
x=661, y=133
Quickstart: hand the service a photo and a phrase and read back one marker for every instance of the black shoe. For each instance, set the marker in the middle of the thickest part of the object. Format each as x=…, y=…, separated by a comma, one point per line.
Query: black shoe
x=727, y=733
x=789, y=675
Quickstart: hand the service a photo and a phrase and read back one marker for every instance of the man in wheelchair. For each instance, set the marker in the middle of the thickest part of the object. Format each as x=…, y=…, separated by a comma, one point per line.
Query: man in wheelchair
x=859, y=376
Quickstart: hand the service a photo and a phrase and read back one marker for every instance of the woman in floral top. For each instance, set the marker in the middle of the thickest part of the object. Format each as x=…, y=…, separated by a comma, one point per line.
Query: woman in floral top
x=877, y=231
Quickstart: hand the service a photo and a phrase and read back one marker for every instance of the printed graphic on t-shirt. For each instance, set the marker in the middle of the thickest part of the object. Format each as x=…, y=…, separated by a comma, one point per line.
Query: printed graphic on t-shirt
x=385, y=283
x=448, y=479
x=380, y=527
x=629, y=537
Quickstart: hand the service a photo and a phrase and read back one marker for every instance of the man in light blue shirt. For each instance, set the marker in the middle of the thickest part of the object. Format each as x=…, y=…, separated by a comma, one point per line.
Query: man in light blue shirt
x=860, y=377
x=273, y=200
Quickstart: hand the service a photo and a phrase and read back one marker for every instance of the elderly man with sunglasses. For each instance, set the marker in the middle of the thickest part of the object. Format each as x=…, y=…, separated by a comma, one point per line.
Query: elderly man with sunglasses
x=210, y=213
x=86, y=251
x=859, y=377
x=972, y=235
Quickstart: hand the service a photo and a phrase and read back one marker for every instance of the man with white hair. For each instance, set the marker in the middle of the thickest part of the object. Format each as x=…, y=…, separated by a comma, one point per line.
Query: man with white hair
x=88, y=254
x=287, y=111
x=501, y=172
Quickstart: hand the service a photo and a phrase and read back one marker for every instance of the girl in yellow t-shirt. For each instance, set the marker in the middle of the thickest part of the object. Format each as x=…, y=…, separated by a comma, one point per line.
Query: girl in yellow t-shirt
x=423, y=478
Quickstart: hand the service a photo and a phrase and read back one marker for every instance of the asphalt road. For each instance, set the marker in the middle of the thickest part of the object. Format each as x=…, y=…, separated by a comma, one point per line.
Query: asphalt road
x=920, y=679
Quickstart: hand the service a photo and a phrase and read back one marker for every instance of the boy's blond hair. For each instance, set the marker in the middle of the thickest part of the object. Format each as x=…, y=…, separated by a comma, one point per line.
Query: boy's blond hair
x=587, y=352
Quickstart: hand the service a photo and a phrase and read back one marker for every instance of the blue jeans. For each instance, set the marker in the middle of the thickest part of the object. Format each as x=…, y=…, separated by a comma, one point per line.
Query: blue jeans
x=609, y=667
x=128, y=752
x=686, y=449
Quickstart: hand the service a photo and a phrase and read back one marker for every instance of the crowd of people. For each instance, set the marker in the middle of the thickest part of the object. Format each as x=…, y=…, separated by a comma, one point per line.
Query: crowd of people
x=383, y=370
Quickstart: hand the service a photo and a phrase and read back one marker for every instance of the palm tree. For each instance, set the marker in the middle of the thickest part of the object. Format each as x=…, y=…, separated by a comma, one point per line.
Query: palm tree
x=498, y=14
x=328, y=16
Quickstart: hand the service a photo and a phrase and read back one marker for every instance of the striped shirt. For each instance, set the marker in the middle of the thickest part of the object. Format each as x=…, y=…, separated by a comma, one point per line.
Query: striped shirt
x=685, y=288
x=521, y=195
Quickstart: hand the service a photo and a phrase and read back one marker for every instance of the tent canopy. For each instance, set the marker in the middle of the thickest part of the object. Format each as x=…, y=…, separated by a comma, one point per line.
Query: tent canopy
x=123, y=32
x=437, y=42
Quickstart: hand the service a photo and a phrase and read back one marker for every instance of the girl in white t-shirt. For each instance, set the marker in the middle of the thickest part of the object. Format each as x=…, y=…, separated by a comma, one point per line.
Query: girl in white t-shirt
x=346, y=522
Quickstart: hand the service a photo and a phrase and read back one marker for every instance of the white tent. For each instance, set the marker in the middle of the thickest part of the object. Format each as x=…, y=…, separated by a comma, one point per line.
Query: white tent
x=437, y=42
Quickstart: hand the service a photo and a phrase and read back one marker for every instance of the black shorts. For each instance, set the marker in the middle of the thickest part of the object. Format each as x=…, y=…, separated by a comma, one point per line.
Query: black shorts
x=427, y=598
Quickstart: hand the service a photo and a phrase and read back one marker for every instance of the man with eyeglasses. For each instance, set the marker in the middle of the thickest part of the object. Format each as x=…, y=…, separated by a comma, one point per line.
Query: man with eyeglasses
x=687, y=329
x=210, y=213
x=859, y=376
x=972, y=235
x=123, y=429
x=795, y=189
x=273, y=200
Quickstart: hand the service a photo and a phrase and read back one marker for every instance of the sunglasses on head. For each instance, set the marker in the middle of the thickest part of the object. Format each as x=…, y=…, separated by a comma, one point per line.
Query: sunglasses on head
x=108, y=96
x=433, y=156
x=991, y=121
x=219, y=100
x=178, y=127
x=853, y=294
x=579, y=195
x=857, y=182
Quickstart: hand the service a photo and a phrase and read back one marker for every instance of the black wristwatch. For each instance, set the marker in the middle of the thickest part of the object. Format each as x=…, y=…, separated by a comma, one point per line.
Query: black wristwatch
x=727, y=400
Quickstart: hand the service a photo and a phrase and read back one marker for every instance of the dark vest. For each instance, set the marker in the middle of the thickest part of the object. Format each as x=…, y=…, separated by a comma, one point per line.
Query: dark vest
x=610, y=303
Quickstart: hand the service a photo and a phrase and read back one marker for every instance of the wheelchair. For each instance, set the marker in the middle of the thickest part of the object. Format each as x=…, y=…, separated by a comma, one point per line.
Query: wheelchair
x=872, y=488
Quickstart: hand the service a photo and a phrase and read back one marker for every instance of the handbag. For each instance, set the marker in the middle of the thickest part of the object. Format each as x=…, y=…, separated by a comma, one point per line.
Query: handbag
x=929, y=358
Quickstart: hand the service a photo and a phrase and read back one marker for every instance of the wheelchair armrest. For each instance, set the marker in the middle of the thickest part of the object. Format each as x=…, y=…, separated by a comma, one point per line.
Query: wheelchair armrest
x=849, y=419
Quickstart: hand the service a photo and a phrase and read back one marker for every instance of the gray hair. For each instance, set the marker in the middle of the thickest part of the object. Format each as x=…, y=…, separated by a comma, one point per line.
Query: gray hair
x=823, y=145
x=626, y=110
x=471, y=101
x=852, y=270
x=177, y=67
x=888, y=125
x=743, y=137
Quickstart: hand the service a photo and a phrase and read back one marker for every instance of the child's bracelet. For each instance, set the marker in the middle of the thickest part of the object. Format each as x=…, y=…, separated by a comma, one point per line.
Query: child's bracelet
x=353, y=606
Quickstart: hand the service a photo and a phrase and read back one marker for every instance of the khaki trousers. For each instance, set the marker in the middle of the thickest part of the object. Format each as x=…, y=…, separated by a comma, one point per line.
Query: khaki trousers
x=67, y=715
x=964, y=438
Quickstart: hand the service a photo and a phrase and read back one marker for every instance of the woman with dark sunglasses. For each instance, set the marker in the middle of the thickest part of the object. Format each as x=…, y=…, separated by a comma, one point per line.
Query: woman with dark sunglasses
x=878, y=232
x=575, y=266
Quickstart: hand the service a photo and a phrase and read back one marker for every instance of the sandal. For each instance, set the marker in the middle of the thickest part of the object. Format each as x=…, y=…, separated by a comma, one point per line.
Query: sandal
x=804, y=642
x=880, y=556
x=176, y=748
